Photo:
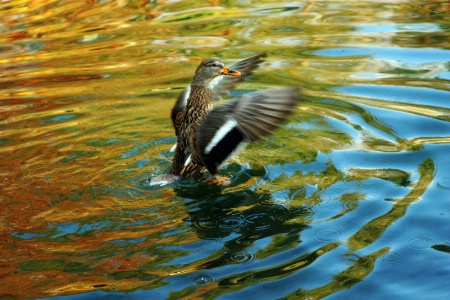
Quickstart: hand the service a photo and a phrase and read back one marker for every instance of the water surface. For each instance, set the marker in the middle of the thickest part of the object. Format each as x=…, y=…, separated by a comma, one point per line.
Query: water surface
x=348, y=200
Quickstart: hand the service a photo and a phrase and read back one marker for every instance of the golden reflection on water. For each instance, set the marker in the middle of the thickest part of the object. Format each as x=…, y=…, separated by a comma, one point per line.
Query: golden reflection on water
x=86, y=89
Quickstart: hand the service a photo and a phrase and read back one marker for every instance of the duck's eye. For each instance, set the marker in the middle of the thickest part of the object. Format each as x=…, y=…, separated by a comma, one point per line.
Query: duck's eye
x=216, y=66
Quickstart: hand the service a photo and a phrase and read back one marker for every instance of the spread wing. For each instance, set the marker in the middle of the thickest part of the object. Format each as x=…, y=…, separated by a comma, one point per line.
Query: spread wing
x=248, y=118
x=222, y=85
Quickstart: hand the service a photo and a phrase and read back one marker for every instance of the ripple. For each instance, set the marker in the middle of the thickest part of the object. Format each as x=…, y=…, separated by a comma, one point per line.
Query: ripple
x=242, y=257
x=231, y=222
x=259, y=221
x=350, y=205
x=419, y=243
x=202, y=280
x=391, y=258
x=444, y=183
x=204, y=224
x=366, y=202
x=327, y=235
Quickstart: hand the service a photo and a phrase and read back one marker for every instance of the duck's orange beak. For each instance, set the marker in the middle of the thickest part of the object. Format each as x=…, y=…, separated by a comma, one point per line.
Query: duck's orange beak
x=227, y=71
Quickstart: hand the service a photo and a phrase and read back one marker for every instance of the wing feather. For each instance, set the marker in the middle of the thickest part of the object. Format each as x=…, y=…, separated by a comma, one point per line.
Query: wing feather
x=225, y=84
x=248, y=118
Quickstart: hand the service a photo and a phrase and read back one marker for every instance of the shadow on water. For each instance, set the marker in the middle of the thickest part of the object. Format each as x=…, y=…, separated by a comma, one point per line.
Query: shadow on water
x=246, y=227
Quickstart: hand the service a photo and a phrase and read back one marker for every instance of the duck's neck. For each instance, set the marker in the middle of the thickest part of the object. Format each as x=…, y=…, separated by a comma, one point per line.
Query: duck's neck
x=201, y=81
x=199, y=101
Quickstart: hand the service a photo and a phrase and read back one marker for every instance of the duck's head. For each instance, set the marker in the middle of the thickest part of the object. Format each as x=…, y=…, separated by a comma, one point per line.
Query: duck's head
x=210, y=69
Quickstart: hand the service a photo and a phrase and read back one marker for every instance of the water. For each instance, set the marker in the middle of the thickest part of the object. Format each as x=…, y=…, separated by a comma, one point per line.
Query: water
x=348, y=200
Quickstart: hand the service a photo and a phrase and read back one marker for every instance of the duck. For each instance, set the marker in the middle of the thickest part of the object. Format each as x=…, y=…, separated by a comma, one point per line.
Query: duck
x=208, y=136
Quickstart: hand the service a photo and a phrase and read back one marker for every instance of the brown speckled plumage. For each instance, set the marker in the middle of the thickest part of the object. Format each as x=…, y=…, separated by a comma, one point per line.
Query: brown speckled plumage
x=207, y=137
x=187, y=123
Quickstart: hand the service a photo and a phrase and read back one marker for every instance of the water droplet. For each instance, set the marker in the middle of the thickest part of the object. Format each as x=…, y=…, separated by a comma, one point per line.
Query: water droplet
x=419, y=243
x=391, y=258
x=327, y=235
x=202, y=280
x=242, y=257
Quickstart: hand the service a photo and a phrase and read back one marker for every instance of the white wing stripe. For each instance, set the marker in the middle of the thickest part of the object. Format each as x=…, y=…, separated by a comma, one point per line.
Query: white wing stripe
x=220, y=134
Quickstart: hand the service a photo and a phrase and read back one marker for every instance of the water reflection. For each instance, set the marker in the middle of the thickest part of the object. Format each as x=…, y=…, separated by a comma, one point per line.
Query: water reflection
x=352, y=191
